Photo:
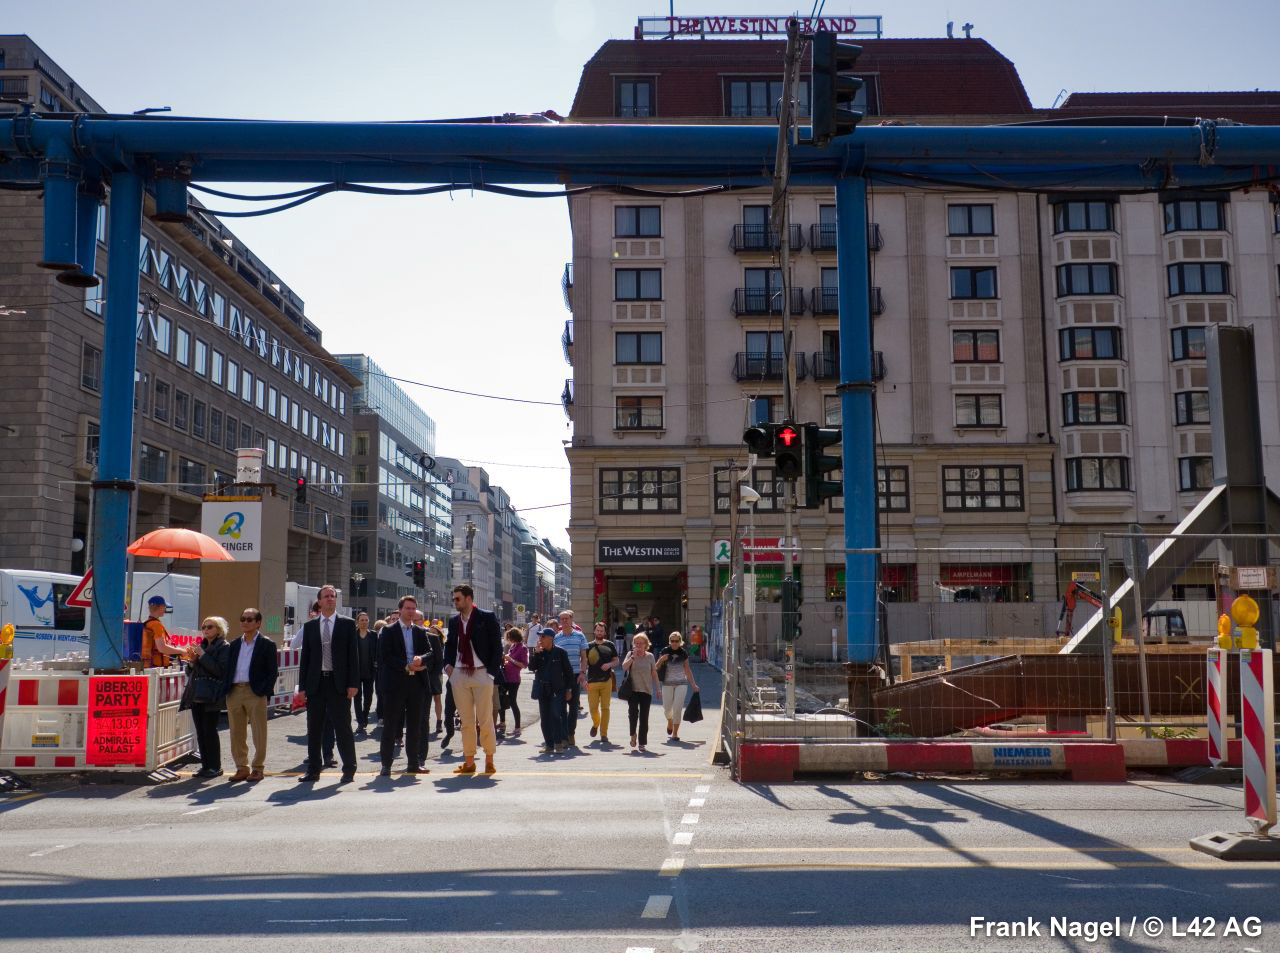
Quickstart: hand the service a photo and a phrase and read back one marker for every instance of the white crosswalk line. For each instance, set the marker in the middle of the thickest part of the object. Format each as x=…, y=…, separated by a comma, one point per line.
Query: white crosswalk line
x=658, y=907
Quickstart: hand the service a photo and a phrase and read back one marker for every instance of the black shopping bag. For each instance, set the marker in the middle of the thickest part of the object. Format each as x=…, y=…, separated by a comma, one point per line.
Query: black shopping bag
x=693, y=710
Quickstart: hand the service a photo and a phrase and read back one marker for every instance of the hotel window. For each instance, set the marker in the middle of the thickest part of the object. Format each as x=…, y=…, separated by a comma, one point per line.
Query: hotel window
x=1195, y=473
x=637, y=347
x=90, y=367
x=982, y=488
x=233, y=378
x=975, y=347
x=95, y=299
x=1188, y=344
x=973, y=283
x=181, y=409
x=1199, y=278
x=1079, y=216
x=160, y=407
x=260, y=394
x=232, y=433
x=638, y=413
x=637, y=221
x=1093, y=407
x=1082, y=344
x=640, y=490
x=634, y=98
x=164, y=330
x=971, y=220
x=979, y=410
x=1191, y=407
x=760, y=96
x=246, y=434
x=765, y=409
x=771, y=490
x=637, y=284
x=1097, y=473
x=1194, y=215
x=1086, y=280
x=198, y=419
x=246, y=386
x=893, y=490
x=201, y=362
x=831, y=412
x=273, y=402
x=215, y=426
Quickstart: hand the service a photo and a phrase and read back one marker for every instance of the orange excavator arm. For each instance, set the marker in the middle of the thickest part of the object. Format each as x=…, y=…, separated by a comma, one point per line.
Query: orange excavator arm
x=1075, y=592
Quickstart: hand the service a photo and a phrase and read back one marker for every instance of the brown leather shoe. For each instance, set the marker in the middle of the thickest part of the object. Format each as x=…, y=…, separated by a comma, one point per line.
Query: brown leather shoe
x=241, y=774
x=255, y=775
x=468, y=767
x=490, y=767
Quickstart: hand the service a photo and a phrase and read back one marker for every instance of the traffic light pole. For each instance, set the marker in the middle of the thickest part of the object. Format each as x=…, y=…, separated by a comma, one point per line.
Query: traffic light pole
x=857, y=419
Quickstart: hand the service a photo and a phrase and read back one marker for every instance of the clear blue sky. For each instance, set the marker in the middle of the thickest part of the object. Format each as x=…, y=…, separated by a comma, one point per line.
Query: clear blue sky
x=464, y=291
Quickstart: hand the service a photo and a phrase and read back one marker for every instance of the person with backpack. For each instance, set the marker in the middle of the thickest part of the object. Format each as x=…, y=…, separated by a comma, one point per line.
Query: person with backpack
x=602, y=659
x=677, y=681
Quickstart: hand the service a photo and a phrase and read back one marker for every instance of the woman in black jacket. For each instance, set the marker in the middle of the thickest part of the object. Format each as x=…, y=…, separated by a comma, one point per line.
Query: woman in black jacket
x=205, y=693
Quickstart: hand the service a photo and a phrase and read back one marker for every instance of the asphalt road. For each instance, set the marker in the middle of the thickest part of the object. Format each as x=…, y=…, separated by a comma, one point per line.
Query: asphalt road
x=613, y=852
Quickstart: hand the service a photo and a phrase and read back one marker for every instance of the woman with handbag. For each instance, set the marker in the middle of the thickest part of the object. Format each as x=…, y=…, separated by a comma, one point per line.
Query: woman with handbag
x=639, y=687
x=677, y=682
x=206, y=691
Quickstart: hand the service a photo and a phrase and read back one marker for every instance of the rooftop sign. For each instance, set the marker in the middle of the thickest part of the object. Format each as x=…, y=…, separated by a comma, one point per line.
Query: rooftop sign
x=702, y=27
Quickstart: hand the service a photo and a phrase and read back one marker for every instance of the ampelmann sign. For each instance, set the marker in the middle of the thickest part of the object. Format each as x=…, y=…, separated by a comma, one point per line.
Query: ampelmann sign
x=640, y=551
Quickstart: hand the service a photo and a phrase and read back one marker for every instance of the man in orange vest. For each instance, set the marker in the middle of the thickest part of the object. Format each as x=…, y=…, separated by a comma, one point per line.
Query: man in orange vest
x=155, y=638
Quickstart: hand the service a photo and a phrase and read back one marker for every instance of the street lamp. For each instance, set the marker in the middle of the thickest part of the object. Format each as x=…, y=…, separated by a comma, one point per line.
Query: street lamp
x=471, y=537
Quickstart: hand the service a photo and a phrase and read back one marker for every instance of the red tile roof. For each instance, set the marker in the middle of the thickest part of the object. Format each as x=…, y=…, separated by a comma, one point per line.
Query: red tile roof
x=915, y=77
x=1255, y=106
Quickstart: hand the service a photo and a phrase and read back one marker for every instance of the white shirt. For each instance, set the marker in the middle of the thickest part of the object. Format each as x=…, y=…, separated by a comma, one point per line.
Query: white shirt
x=407, y=632
x=242, y=661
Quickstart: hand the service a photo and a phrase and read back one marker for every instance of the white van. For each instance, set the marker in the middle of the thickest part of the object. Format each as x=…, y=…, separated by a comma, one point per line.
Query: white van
x=182, y=621
x=36, y=603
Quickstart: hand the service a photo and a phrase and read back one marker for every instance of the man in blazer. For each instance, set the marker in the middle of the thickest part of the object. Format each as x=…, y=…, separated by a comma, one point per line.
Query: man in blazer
x=328, y=676
x=473, y=661
x=404, y=657
x=250, y=681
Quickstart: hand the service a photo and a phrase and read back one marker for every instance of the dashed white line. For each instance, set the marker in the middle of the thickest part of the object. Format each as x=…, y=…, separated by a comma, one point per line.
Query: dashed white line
x=697, y=801
x=683, y=839
x=689, y=819
x=50, y=850
x=702, y=789
x=658, y=907
x=349, y=920
x=201, y=810
x=639, y=949
x=671, y=867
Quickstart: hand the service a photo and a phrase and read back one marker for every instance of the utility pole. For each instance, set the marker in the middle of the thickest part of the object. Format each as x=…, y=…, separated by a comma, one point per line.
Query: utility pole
x=780, y=220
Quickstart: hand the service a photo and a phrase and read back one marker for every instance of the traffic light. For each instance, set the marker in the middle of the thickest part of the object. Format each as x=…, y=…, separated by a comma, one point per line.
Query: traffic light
x=834, y=94
x=760, y=439
x=818, y=466
x=790, y=609
x=300, y=494
x=788, y=452
x=419, y=573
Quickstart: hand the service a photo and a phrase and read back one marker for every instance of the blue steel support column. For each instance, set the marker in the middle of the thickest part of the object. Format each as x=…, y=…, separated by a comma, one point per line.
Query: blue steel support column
x=856, y=416
x=113, y=491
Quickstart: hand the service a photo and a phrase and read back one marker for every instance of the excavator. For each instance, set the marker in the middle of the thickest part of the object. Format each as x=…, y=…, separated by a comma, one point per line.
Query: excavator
x=1164, y=625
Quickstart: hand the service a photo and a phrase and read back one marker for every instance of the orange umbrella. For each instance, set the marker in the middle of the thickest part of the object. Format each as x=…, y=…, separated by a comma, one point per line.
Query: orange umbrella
x=167, y=543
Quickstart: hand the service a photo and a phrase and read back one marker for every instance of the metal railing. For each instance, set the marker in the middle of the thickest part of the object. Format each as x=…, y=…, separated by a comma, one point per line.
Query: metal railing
x=566, y=285
x=566, y=397
x=825, y=365
x=748, y=366
x=762, y=238
x=566, y=341
x=822, y=237
x=826, y=300
x=748, y=301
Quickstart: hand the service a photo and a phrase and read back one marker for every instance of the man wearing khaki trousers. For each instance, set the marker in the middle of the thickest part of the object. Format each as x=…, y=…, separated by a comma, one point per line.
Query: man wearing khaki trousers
x=251, y=678
x=473, y=661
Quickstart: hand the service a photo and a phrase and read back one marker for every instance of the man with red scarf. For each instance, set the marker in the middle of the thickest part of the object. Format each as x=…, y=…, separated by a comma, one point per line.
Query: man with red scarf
x=472, y=662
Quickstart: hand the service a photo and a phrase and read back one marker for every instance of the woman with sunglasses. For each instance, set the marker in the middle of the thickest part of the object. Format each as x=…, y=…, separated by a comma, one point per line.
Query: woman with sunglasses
x=206, y=692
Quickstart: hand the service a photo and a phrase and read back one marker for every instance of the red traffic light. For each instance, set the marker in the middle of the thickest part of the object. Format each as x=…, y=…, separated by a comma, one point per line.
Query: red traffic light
x=787, y=436
x=302, y=481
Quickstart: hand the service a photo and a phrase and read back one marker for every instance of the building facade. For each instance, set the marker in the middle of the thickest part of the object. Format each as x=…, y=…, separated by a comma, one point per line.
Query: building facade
x=1039, y=365
x=226, y=359
x=401, y=508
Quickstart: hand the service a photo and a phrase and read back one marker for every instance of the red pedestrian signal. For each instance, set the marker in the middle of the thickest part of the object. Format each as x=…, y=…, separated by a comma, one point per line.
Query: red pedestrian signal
x=787, y=436
x=788, y=458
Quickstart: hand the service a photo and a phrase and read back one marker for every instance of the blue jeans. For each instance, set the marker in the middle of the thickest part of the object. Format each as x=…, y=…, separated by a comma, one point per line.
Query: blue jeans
x=551, y=712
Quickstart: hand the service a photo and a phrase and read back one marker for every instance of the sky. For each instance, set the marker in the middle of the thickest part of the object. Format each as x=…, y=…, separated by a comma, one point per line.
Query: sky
x=463, y=291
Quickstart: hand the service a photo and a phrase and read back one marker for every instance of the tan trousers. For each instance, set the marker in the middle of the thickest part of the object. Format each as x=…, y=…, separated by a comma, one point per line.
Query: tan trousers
x=598, y=697
x=473, y=695
x=247, y=710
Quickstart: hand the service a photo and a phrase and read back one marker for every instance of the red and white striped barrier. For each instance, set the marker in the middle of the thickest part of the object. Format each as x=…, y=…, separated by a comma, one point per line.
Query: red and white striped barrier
x=1257, y=728
x=45, y=720
x=1216, y=695
x=290, y=660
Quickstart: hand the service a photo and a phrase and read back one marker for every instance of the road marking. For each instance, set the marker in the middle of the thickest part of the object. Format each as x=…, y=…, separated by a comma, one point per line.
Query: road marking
x=697, y=801
x=50, y=850
x=683, y=839
x=944, y=850
x=639, y=949
x=349, y=920
x=702, y=789
x=671, y=867
x=664, y=775
x=963, y=865
x=201, y=810
x=689, y=819
x=658, y=907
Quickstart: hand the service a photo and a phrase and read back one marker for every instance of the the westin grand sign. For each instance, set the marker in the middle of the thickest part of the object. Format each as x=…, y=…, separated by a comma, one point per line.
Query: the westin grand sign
x=640, y=551
x=656, y=27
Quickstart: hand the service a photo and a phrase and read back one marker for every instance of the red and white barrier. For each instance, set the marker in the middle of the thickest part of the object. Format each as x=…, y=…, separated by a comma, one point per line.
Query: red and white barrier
x=1257, y=728
x=1216, y=696
x=290, y=660
x=45, y=720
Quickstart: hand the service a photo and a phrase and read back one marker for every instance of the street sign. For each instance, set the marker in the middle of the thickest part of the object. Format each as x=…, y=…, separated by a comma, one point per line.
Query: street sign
x=82, y=596
x=1086, y=577
x=1246, y=578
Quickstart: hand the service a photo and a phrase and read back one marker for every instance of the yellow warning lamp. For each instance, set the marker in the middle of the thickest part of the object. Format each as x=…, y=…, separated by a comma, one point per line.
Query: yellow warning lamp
x=1117, y=625
x=1224, y=631
x=1245, y=612
x=7, y=633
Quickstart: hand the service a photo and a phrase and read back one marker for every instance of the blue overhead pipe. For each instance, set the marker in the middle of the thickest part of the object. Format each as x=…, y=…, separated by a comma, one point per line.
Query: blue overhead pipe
x=88, y=201
x=61, y=175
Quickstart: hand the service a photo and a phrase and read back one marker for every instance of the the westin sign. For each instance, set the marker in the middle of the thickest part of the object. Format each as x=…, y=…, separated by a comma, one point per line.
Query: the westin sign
x=640, y=551
x=654, y=27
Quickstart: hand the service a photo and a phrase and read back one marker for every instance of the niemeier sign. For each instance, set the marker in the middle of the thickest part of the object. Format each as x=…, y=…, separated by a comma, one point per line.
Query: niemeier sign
x=652, y=27
x=640, y=551
x=237, y=526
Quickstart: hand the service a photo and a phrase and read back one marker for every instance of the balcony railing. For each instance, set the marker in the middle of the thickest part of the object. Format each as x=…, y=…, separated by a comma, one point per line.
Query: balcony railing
x=825, y=365
x=827, y=301
x=751, y=366
x=761, y=238
x=566, y=398
x=566, y=341
x=761, y=301
x=566, y=285
x=822, y=237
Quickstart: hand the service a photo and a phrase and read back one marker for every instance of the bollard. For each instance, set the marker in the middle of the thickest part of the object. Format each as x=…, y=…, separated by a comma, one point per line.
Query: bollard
x=1258, y=742
x=1216, y=694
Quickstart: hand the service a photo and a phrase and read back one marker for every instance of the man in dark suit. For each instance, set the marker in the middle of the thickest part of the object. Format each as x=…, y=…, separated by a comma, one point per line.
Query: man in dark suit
x=250, y=680
x=328, y=678
x=473, y=662
x=404, y=657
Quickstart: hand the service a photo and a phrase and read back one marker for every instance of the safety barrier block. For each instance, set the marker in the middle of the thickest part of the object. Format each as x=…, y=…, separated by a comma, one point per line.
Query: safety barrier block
x=767, y=763
x=1098, y=761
